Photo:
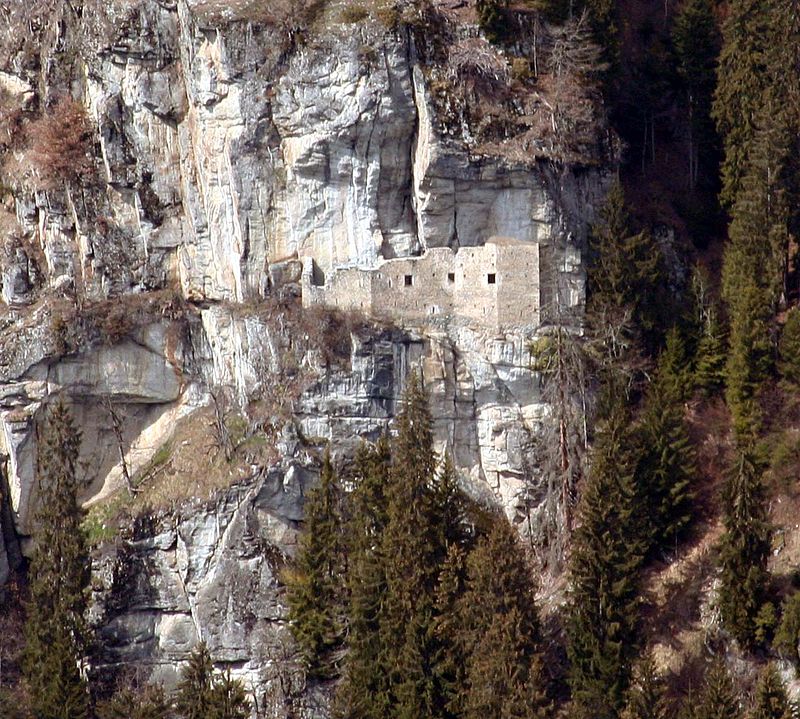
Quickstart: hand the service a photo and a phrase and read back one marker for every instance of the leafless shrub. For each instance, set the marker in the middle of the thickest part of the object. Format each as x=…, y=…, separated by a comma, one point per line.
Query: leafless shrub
x=330, y=331
x=110, y=321
x=60, y=144
x=476, y=57
x=220, y=430
x=352, y=14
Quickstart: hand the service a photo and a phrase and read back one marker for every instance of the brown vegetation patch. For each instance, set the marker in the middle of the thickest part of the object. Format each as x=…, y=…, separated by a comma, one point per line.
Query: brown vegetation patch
x=110, y=321
x=537, y=97
x=12, y=641
x=191, y=465
x=59, y=145
x=709, y=431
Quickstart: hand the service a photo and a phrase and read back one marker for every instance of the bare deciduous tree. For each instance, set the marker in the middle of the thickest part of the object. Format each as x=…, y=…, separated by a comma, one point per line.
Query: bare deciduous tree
x=575, y=66
x=117, y=428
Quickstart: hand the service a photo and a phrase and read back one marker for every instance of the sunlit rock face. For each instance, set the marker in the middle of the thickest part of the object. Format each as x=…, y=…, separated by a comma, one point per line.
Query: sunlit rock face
x=225, y=152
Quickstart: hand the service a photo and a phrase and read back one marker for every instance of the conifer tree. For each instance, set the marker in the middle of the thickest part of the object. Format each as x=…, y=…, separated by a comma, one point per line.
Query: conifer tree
x=414, y=551
x=364, y=692
x=771, y=701
x=452, y=506
x=789, y=364
x=673, y=377
x=10, y=707
x=755, y=269
x=314, y=583
x=647, y=698
x=204, y=694
x=504, y=672
x=450, y=634
x=742, y=78
x=194, y=694
x=718, y=700
x=607, y=554
x=55, y=630
x=706, y=334
x=787, y=637
x=491, y=19
x=748, y=362
x=624, y=282
x=228, y=699
x=710, y=356
x=744, y=550
x=667, y=472
x=560, y=359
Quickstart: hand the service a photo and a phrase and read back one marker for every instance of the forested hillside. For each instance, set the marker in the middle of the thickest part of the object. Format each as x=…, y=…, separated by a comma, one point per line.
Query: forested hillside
x=690, y=351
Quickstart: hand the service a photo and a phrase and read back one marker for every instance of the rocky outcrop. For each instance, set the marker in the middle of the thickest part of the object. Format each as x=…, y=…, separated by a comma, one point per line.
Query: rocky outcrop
x=210, y=573
x=225, y=147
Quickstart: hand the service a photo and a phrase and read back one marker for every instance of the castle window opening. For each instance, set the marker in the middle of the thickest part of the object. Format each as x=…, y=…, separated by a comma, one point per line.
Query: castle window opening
x=451, y=277
x=492, y=278
x=409, y=280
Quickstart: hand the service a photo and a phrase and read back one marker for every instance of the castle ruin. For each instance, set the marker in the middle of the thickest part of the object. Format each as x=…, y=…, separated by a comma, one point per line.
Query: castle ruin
x=494, y=285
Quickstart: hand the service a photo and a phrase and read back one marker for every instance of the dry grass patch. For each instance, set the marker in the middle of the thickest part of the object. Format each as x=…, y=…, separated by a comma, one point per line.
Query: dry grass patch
x=190, y=466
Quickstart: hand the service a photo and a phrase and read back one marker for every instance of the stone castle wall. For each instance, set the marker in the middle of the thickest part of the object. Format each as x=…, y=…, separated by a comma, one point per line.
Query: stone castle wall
x=494, y=285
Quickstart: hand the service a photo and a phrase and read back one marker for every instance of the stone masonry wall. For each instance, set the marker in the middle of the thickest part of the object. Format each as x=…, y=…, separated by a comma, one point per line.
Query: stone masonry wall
x=495, y=285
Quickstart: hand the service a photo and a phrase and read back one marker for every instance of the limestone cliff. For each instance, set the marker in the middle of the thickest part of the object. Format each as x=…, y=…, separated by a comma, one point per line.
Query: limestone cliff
x=161, y=283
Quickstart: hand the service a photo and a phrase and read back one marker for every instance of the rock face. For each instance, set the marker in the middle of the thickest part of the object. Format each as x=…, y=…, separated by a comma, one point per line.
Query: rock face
x=210, y=573
x=226, y=148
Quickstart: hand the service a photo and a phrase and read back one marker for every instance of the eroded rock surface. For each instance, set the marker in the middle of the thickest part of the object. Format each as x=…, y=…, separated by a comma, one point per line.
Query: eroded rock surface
x=224, y=151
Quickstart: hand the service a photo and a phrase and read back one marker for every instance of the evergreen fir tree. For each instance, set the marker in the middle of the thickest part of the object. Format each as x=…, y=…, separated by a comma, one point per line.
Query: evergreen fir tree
x=10, y=707
x=451, y=638
x=608, y=549
x=625, y=297
x=673, y=377
x=710, y=356
x=647, y=698
x=742, y=78
x=760, y=163
x=504, y=669
x=204, y=694
x=448, y=662
x=194, y=695
x=605, y=28
x=364, y=692
x=748, y=360
x=718, y=700
x=705, y=334
x=491, y=18
x=602, y=16
x=55, y=630
x=666, y=472
x=784, y=99
x=789, y=364
x=452, y=508
x=316, y=602
x=771, y=701
x=787, y=638
x=414, y=551
x=744, y=550
x=228, y=699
